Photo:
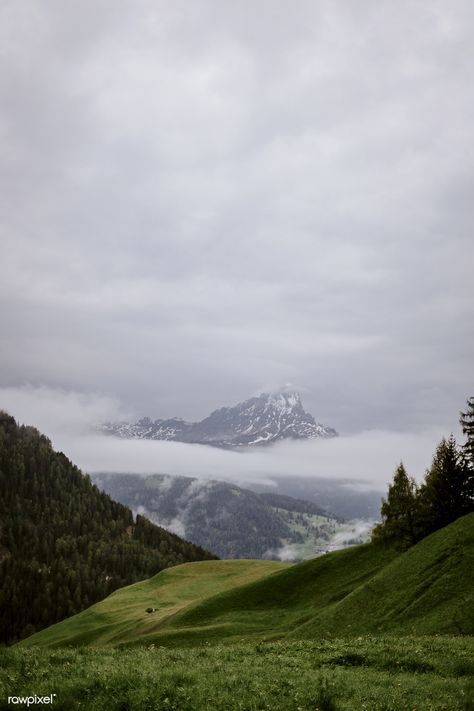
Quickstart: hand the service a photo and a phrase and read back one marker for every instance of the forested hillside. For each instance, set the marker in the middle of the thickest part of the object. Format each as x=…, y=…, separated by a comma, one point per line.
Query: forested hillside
x=64, y=544
x=232, y=521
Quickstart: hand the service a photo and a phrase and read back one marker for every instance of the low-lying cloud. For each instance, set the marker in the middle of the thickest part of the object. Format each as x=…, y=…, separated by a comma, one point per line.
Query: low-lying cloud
x=68, y=419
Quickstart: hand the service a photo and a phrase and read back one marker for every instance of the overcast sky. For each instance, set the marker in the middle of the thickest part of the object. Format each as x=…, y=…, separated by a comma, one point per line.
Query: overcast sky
x=203, y=200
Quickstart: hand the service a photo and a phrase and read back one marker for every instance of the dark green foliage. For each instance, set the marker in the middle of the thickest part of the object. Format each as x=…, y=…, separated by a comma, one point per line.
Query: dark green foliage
x=448, y=490
x=447, y=493
x=399, y=512
x=467, y=424
x=227, y=523
x=64, y=544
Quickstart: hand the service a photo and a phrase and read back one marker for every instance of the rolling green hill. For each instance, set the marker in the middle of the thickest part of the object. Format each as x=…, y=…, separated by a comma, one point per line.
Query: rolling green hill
x=367, y=589
x=123, y=616
x=428, y=589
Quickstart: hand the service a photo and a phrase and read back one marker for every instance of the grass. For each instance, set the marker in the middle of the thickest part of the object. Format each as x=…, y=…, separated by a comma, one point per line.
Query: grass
x=362, y=628
x=122, y=616
x=427, y=590
x=377, y=673
x=361, y=590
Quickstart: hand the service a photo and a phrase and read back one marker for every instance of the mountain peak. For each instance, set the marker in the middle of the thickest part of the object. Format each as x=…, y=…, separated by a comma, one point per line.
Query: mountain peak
x=283, y=399
x=264, y=419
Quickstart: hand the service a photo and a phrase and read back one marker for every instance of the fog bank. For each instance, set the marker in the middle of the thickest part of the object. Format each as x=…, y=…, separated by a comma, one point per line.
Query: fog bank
x=67, y=418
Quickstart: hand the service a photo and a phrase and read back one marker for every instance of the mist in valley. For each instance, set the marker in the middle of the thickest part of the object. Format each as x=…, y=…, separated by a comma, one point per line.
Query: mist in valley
x=367, y=458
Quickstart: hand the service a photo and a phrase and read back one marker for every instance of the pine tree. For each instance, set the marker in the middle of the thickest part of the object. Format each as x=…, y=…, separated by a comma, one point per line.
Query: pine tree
x=467, y=423
x=448, y=490
x=399, y=512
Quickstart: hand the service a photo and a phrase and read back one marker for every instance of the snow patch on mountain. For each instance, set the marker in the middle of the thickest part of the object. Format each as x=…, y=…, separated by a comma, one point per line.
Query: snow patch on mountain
x=261, y=420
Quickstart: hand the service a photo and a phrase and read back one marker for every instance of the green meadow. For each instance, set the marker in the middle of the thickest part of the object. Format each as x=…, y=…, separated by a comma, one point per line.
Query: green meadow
x=122, y=617
x=377, y=673
x=362, y=628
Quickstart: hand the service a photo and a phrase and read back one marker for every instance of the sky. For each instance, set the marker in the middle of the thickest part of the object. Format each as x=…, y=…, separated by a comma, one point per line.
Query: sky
x=203, y=201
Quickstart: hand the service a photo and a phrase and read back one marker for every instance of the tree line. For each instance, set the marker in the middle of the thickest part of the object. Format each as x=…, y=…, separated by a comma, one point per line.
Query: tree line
x=63, y=543
x=411, y=512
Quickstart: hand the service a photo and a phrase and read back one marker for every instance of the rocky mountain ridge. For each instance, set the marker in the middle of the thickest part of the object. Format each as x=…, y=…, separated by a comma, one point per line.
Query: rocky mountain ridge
x=261, y=420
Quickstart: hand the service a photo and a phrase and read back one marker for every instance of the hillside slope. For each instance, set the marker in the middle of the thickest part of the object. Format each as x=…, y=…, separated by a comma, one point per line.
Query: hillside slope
x=123, y=616
x=426, y=590
x=63, y=543
x=362, y=590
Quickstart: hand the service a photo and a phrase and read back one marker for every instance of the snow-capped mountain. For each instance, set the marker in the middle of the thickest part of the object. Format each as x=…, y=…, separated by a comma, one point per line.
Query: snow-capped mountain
x=264, y=419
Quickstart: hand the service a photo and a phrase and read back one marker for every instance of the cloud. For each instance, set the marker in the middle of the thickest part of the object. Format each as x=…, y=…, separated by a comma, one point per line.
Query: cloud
x=68, y=419
x=285, y=553
x=57, y=412
x=355, y=530
x=358, y=529
x=198, y=200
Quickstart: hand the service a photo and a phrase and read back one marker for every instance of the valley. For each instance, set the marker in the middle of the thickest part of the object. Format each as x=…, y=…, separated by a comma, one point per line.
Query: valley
x=233, y=521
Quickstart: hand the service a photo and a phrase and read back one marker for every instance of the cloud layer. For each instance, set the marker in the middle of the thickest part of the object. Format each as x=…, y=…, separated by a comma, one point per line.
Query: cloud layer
x=199, y=199
x=370, y=456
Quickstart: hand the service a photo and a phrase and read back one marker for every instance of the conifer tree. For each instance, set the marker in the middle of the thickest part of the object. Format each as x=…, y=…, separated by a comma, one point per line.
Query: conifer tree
x=448, y=489
x=467, y=423
x=399, y=512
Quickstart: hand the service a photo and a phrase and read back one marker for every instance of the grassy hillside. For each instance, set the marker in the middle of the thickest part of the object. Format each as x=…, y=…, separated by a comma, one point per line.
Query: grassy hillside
x=283, y=629
x=273, y=608
x=122, y=617
x=428, y=589
x=357, y=591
